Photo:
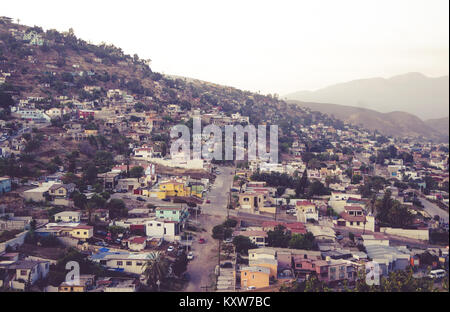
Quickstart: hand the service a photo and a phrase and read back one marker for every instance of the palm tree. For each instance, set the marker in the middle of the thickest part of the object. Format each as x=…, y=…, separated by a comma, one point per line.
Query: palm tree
x=156, y=268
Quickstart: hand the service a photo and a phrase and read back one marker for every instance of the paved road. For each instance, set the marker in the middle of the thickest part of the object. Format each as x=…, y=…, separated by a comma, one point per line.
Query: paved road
x=219, y=193
x=433, y=209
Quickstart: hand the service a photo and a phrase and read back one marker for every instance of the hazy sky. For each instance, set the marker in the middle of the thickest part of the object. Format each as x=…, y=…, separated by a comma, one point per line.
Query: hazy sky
x=268, y=46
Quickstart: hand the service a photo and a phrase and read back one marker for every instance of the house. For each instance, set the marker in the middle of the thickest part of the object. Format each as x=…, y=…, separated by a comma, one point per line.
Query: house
x=163, y=229
x=389, y=258
x=84, y=114
x=251, y=202
x=255, y=276
x=27, y=272
x=110, y=179
x=137, y=243
x=82, y=232
x=306, y=211
x=122, y=261
x=68, y=216
x=61, y=190
x=38, y=194
x=121, y=285
x=271, y=264
x=293, y=227
x=177, y=214
x=5, y=185
x=172, y=189
x=354, y=217
x=85, y=283
x=256, y=237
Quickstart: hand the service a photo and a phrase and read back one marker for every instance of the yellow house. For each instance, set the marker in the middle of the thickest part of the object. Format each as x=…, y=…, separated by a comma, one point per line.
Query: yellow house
x=82, y=232
x=251, y=201
x=255, y=276
x=173, y=188
x=64, y=287
x=91, y=132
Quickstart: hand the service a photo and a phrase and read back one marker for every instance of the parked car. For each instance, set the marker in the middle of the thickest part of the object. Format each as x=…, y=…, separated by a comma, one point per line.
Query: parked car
x=190, y=255
x=170, y=249
x=251, y=288
x=228, y=240
x=208, y=201
x=140, y=199
x=201, y=241
x=339, y=237
x=166, y=199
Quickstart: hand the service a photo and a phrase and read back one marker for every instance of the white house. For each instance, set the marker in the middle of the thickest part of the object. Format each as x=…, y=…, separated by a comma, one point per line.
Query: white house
x=68, y=216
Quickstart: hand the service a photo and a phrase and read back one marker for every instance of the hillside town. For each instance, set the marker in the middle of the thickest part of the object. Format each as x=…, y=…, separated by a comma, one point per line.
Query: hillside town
x=86, y=176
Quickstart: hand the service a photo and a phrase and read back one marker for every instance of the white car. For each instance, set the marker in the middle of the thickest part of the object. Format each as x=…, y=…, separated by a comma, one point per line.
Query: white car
x=190, y=255
x=170, y=249
x=251, y=288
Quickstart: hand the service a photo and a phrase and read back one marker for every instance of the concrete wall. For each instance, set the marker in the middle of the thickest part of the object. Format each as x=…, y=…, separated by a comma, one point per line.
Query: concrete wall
x=19, y=239
x=415, y=234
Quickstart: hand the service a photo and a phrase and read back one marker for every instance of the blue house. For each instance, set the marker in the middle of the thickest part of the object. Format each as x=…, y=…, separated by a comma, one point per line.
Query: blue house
x=5, y=185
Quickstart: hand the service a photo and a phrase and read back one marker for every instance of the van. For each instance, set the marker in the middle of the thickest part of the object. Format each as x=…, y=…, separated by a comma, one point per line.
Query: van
x=437, y=274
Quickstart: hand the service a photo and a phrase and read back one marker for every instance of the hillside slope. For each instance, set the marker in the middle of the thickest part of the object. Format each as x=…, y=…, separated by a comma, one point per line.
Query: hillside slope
x=440, y=125
x=414, y=93
x=393, y=123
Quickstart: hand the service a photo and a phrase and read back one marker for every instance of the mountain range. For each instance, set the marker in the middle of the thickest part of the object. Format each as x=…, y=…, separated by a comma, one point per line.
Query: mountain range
x=405, y=105
x=414, y=93
x=393, y=124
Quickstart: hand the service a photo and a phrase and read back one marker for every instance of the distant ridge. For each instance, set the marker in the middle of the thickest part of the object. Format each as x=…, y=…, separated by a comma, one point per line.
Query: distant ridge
x=415, y=93
x=392, y=123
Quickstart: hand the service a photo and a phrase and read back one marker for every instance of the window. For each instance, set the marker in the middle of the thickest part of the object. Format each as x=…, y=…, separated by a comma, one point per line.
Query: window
x=119, y=263
x=129, y=263
x=357, y=223
x=23, y=272
x=174, y=212
x=351, y=223
x=139, y=263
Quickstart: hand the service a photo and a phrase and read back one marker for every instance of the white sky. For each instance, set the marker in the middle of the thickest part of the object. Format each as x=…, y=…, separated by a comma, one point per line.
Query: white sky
x=267, y=46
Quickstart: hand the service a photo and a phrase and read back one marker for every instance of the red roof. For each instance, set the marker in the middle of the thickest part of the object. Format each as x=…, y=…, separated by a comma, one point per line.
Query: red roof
x=304, y=203
x=138, y=240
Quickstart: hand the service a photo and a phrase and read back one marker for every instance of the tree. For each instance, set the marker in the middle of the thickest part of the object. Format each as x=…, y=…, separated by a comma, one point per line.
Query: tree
x=117, y=208
x=180, y=264
x=221, y=232
x=243, y=244
x=303, y=241
x=79, y=200
x=278, y=237
x=392, y=212
x=156, y=268
x=136, y=172
x=356, y=179
x=230, y=223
